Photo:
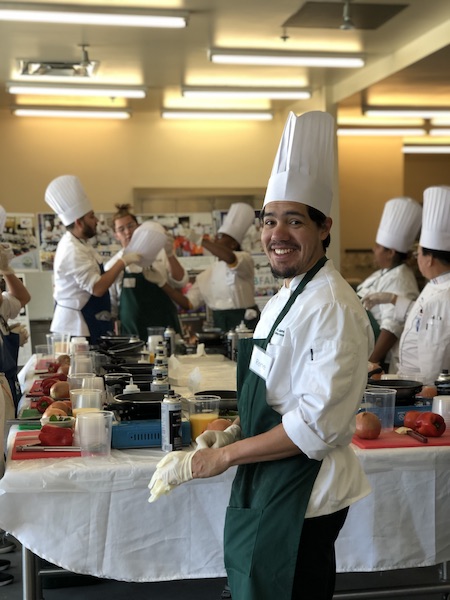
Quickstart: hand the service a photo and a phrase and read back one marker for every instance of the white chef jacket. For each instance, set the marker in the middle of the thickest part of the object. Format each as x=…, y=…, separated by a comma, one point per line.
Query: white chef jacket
x=222, y=287
x=400, y=281
x=10, y=306
x=161, y=264
x=425, y=342
x=317, y=380
x=75, y=270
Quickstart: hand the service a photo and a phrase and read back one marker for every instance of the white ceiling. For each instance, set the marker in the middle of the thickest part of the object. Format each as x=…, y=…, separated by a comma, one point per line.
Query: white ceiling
x=407, y=58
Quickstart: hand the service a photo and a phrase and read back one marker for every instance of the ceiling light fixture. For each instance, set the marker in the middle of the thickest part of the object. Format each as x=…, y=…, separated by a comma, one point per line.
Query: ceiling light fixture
x=421, y=112
x=347, y=23
x=84, y=68
x=233, y=56
x=61, y=89
x=440, y=132
x=246, y=92
x=348, y=130
x=426, y=149
x=90, y=15
x=218, y=115
x=71, y=112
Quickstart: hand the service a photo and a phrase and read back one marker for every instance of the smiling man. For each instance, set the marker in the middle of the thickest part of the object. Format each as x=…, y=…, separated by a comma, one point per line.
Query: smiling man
x=300, y=383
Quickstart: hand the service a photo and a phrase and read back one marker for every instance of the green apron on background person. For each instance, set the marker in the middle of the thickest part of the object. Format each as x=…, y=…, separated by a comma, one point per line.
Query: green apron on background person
x=374, y=323
x=268, y=499
x=232, y=317
x=145, y=305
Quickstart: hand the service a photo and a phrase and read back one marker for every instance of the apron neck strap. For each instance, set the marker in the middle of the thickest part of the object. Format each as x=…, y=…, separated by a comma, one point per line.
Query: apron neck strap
x=298, y=290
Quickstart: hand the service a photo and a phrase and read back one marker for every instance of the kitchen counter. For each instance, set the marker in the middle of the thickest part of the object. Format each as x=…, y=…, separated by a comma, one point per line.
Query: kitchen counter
x=92, y=516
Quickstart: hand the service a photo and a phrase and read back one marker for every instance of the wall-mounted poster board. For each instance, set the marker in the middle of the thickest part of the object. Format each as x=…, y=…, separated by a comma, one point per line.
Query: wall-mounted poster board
x=20, y=234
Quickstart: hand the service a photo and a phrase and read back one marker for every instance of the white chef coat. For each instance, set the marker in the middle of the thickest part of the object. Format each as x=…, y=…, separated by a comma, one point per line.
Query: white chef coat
x=425, y=342
x=9, y=309
x=400, y=281
x=161, y=264
x=75, y=270
x=317, y=380
x=10, y=306
x=222, y=287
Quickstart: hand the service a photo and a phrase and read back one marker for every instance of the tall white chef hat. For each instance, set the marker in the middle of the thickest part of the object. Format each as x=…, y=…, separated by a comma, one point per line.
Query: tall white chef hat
x=237, y=221
x=65, y=195
x=400, y=224
x=2, y=219
x=304, y=165
x=435, y=233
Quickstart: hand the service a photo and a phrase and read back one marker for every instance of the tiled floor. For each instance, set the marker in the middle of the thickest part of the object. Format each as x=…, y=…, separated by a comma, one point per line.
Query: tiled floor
x=70, y=587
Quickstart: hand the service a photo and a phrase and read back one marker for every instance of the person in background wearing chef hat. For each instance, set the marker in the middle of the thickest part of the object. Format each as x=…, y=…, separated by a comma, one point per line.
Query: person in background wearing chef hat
x=397, y=231
x=12, y=301
x=227, y=287
x=139, y=296
x=424, y=348
x=82, y=301
x=300, y=383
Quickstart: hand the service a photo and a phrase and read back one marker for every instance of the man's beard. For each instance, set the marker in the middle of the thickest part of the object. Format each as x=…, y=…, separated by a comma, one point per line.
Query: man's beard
x=88, y=231
x=288, y=273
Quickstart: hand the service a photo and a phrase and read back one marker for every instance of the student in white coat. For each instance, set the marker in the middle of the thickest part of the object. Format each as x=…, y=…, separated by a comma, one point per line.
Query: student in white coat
x=425, y=342
x=82, y=302
x=397, y=231
x=227, y=287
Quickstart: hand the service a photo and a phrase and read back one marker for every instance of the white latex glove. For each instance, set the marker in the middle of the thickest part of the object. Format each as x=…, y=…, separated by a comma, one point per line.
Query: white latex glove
x=168, y=247
x=154, y=276
x=130, y=258
x=250, y=314
x=4, y=262
x=22, y=332
x=218, y=439
x=372, y=300
x=172, y=470
x=194, y=237
x=9, y=250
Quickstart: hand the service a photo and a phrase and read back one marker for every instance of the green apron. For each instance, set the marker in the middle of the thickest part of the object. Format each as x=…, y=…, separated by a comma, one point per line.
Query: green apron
x=269, y=499
x=145, y=305
x=374, y=323
x=231, y=318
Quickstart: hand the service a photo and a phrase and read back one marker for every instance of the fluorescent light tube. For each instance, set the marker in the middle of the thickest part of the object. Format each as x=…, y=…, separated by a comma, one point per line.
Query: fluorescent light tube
x=421, y=112
x=246, y=92
x=287, y=59
x=70, y=112
x=380, y=131
x=107, y=91
x=217, y=115
x=89, y=15
x=429, y=149
x=442, y=131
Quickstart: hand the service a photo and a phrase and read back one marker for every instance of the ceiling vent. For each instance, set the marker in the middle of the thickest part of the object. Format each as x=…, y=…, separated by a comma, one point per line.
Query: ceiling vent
x=81, y=68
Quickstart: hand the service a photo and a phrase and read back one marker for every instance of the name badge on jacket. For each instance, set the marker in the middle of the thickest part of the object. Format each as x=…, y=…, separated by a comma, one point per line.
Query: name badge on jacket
x=129, y=282
x=260, y=362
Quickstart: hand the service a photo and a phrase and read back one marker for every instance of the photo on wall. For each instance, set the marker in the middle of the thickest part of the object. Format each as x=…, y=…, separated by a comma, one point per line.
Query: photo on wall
x=20, y=234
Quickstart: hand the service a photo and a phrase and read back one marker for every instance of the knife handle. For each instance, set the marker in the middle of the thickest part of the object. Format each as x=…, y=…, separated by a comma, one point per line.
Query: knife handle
x=417, y=436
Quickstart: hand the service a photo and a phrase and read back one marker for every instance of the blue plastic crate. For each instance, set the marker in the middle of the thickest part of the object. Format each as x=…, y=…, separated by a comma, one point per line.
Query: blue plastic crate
x=144, y=434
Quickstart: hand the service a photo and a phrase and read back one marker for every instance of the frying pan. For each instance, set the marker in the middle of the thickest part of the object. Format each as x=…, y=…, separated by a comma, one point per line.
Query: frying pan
x=405, y=388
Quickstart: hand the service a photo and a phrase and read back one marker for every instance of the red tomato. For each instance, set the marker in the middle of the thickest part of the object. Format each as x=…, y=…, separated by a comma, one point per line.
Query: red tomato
x=411, y=418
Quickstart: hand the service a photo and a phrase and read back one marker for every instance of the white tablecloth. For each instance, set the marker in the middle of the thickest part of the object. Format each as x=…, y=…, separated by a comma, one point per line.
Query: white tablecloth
x=92, y=516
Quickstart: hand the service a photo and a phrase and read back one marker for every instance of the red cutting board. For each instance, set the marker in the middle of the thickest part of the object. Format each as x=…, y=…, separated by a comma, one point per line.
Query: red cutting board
x=36, y=389
x=24, y=437
x=396, y=440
